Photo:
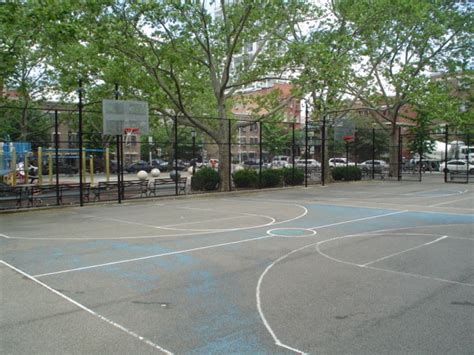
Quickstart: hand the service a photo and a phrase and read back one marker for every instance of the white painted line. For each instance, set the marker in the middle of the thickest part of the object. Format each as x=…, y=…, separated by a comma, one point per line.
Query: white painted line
x=420, y=276
x=260, y=279
x=305, y=212
x=153, y=256
x=259, y=302
x=405, y=251
x=318, y=250
x=359, y=219
x=88, y=310
x=5, y=236
x=453, y=201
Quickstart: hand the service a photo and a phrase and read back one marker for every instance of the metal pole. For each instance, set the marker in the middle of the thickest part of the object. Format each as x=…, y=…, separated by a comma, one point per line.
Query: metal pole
x=230, y=153
x=323, y=150
x=421, y=158
x=119, y=156
x=176, y=154
x=81, y=177
x=373, y=153
x=260, y=135
x=293, y=151
x=468, y=156
x=446, y=137
x=56, y=150
x=306, y=146
x=400, y=149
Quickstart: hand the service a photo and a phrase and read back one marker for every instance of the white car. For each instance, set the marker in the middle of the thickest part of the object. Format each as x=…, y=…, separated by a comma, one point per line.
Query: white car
x=335, y=162
x=280, y=161
x=312, y=163
x=457, y=165
x=377, y=165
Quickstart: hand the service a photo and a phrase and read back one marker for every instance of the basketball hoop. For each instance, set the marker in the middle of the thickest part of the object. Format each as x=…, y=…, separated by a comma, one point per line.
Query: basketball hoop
x=348, y=138
x=129, y=132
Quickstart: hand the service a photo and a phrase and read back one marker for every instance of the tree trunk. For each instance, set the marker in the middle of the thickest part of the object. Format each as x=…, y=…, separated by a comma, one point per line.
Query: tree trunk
x=223, y=147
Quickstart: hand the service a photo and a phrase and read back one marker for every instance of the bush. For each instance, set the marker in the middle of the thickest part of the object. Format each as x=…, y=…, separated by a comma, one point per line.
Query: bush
x=293, y=177
x=346, y=173
x=205, y=179
x=271, y=178
x=245, y=178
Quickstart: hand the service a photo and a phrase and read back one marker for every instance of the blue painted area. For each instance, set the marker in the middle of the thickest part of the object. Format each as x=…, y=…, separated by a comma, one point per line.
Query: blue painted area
x=223, y=325
x=290, y=232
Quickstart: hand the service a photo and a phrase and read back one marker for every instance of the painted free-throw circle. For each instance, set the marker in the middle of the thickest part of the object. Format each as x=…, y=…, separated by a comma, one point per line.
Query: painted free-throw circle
x=291, y=232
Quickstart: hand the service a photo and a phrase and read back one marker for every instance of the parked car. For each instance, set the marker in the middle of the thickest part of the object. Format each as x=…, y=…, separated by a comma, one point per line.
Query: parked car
x=139, y=165
x=335, y=162
x=254, y=164
x=378, y=166
x=311, y=163
x=63, y=168
x=182, y=165
x=457, y=165
x=280, y=161
x=161, y=164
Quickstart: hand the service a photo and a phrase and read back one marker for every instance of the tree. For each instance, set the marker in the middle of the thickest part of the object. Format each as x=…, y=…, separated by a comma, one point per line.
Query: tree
x=27, y=78
x=323, y=52
x=195, y=61
x=404, y=42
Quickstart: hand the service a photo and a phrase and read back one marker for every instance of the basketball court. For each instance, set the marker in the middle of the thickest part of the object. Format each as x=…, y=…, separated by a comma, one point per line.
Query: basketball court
x=361, y=268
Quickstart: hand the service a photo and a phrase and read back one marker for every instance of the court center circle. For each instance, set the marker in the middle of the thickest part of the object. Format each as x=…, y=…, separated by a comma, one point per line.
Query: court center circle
x=291, y=232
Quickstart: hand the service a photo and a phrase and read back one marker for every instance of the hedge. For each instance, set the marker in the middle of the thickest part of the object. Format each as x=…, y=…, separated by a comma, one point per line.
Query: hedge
x=271, y=178
x=245, y=178
x=293, y=176
x=346, y=173
x=205, y=179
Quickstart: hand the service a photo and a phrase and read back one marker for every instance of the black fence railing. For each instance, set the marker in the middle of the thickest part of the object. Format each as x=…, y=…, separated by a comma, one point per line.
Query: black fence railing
x=47, y=166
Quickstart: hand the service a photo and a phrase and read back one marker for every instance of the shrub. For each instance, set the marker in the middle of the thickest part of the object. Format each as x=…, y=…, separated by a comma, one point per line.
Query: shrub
x=293, y=176
x=245, y=178
x=347, y=173
x=205, y=179
x=271, y=178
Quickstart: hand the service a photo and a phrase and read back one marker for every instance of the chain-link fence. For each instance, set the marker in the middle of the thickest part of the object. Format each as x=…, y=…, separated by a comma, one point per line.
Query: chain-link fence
x=51, y=161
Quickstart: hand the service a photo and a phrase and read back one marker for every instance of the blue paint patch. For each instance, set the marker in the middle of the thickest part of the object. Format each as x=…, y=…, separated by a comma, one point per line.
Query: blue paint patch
x=290, y=232
x=224, y=327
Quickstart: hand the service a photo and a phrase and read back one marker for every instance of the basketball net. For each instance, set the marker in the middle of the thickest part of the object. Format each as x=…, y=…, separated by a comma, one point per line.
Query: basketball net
x=128, y=134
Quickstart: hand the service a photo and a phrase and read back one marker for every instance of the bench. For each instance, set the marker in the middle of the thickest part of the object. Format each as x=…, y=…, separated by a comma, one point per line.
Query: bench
x=11, y=194
x=39, y=193
x=165, y=184
x=138, y=186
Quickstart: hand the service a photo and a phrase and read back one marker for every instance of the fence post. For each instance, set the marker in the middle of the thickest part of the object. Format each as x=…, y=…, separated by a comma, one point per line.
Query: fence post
x=56, y=152
x=230, y=153
x=293, y=151
x=323, y=150
x=176, y=154
x=260, y=146
x=119, y=167
x=81, y=177
x=446, y=137
x=306, y=147
x=373, y=153
x=400, y=149
x=468, y=156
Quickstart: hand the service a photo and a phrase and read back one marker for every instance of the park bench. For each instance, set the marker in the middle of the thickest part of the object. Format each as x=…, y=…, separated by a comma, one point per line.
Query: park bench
x=129, y=186
x=11, y=194
x=41, y=193
x=167, y=184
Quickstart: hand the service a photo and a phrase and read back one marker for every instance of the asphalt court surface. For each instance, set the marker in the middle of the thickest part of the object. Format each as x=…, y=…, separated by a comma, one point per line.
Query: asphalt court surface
x=359, y=268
